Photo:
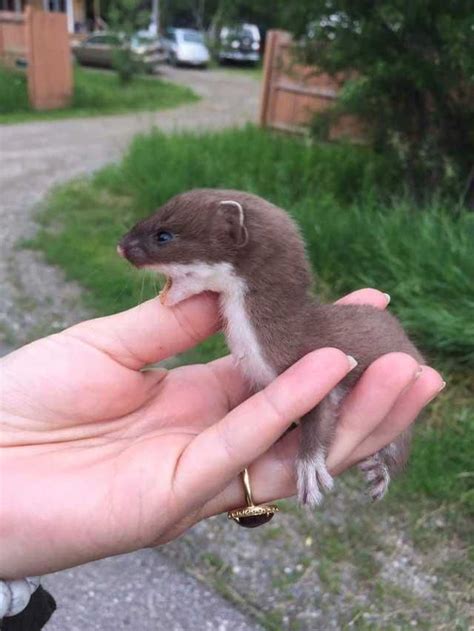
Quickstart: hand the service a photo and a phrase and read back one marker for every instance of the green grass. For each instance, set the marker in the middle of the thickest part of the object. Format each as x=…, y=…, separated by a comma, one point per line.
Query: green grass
x=95, y=93
x=357, y=235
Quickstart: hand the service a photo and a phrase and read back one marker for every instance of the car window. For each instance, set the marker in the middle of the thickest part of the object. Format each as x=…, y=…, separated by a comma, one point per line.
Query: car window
x=111, y=40
x=246, y=32
x=193, y=36
x=97, y=39
x=238, y=32
x=143, y=40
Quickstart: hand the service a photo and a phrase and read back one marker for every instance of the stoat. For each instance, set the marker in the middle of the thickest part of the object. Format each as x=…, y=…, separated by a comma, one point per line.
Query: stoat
x=251, y=253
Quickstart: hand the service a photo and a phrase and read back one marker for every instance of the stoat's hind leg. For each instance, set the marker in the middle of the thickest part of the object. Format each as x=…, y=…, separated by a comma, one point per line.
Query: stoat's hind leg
x=317, y=430
x=377, y=476
x=379, y=469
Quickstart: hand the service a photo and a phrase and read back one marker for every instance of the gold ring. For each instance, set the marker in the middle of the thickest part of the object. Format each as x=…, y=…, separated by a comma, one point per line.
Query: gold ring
x=252, y=515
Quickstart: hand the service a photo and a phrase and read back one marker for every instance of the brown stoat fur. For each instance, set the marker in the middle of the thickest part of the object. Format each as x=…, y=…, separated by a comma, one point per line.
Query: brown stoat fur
x=252, y=254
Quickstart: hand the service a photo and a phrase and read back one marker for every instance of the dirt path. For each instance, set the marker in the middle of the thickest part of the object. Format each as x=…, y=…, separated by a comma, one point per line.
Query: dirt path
x=35, y=298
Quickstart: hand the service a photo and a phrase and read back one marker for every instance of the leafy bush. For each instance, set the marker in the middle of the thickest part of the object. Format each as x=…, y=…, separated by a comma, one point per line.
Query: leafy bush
x=13, y=91
x=412, y=79
x=126, y=64
x=126, y=17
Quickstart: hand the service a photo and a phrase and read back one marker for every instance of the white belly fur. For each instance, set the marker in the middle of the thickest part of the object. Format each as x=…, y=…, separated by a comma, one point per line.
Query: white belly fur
x=241, y=337
x=193, y=278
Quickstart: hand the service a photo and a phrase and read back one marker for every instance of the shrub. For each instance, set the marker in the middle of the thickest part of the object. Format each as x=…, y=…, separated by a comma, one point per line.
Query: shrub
x=413, y=70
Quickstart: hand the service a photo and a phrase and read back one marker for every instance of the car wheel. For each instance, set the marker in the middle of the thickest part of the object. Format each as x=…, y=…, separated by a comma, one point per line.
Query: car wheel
x=173, y=60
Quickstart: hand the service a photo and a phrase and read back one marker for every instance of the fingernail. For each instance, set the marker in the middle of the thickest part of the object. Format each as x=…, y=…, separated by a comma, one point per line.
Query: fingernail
x=387, y=297
x=352, y=362
x=159, y=371
x=442, y=387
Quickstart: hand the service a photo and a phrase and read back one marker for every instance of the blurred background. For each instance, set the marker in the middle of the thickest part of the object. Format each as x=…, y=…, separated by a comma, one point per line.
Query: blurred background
x=355, y=116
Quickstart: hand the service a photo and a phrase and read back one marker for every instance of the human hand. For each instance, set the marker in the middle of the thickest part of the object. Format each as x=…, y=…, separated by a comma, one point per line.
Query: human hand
x=99, y=457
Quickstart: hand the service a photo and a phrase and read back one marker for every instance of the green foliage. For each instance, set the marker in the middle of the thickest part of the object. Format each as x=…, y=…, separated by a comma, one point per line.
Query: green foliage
x=413, y=68
x=126, y=64
x=95, y=92
x=340, y=195
x=357, y=235
x=126, y=17
x=13, y=91
x=215, y=13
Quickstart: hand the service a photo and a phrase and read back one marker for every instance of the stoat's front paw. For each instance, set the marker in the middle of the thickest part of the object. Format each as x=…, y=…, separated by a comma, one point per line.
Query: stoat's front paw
x=377, y=476
x=176, y=291
x=312, y=479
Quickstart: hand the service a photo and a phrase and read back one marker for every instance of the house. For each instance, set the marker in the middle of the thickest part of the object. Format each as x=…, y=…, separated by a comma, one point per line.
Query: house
x=82, y=15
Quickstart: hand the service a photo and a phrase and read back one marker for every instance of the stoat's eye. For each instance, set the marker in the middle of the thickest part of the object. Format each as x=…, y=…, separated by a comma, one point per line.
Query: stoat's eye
x=163, y=236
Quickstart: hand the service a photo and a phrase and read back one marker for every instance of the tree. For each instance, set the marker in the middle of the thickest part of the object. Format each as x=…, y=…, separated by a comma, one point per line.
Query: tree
x=412, y=65
x=125, y=18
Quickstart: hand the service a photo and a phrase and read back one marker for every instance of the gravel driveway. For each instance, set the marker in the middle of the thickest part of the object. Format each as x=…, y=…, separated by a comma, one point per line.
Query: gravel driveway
x=35, y=298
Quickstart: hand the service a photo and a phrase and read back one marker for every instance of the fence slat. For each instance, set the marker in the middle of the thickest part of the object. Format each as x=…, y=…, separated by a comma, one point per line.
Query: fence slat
x=293, y=93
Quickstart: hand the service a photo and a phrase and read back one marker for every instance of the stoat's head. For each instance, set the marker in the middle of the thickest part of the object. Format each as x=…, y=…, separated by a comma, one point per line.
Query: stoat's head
x=207, y=238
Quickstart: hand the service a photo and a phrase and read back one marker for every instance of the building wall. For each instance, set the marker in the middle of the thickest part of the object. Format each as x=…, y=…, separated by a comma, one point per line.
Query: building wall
x=79, y=11
x=13, y=43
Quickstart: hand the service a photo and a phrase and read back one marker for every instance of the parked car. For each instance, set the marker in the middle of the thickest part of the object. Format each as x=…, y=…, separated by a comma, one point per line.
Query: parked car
x=186, y=46
x=98, y=49
x=239, y=43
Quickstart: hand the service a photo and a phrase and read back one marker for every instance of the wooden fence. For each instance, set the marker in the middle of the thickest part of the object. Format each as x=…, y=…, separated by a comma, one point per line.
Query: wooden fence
x=40, y=40
x=293, y=93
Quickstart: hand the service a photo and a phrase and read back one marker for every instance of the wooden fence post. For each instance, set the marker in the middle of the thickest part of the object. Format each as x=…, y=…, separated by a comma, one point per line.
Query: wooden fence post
x=50, y=78
x=267, y=75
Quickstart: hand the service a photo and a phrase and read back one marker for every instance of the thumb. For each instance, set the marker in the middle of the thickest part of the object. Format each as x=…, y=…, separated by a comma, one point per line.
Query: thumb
x=150, y=332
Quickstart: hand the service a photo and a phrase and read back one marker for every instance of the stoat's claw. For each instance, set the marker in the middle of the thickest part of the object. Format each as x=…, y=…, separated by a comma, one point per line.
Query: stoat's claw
x=164, y=292
x=377, y=476
x=313, y=479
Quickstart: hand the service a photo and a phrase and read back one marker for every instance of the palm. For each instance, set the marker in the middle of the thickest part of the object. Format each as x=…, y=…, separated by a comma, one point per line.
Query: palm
x=104, y=390
x=132, y=427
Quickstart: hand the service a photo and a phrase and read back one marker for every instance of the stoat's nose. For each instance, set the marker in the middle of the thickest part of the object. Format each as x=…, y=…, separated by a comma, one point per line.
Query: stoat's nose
x=132, y=250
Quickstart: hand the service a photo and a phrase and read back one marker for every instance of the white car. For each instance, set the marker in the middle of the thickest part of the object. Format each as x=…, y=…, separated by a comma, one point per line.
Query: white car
x=186, y=46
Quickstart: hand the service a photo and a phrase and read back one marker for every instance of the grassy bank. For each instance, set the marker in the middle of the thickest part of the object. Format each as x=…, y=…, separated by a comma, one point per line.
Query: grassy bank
x=95, y=93
x=365, y=568
x=342, y=198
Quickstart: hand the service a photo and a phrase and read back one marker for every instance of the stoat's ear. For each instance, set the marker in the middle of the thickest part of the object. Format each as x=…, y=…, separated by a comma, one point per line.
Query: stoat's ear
x=234, y=216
